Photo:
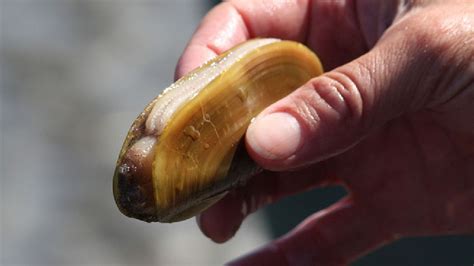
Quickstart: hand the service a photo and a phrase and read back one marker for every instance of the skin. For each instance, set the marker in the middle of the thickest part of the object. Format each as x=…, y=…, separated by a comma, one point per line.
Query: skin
x=392, y=120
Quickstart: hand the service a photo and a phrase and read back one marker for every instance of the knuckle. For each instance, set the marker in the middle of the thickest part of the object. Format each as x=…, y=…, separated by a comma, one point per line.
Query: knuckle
x=333, y=99
x=439, y=39
x=438, y=29
x=337, y=97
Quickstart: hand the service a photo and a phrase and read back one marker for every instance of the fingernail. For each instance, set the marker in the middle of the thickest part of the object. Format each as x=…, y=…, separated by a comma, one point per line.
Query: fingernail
x=274, y=136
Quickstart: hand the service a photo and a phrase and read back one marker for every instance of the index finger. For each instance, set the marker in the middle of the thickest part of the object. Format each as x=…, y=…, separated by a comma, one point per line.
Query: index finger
x=233, y=22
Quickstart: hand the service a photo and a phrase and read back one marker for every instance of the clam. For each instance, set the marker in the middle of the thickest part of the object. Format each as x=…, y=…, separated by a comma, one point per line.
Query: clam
x=184, y=151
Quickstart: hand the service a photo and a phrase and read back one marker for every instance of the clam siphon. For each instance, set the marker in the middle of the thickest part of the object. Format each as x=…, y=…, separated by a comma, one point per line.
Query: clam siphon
x=184, y=151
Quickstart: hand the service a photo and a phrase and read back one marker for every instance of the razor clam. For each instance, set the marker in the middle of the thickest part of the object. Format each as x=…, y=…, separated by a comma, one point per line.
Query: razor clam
x=184, y=152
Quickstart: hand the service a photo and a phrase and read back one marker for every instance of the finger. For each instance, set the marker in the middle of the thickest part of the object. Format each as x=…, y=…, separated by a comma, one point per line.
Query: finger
x=221, y=29
x=333, y=112
x=330, y=28
x=334, y=236
x=233, y=22
x=221, y=221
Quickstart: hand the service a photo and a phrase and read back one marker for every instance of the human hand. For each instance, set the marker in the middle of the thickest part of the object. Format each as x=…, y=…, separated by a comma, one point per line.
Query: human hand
x=392, y=121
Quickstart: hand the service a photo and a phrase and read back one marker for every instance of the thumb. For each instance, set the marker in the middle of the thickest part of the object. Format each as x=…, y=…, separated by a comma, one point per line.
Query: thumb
x=333, y=112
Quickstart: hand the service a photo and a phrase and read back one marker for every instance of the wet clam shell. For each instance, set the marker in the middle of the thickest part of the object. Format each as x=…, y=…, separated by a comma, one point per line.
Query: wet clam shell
x=185, y=151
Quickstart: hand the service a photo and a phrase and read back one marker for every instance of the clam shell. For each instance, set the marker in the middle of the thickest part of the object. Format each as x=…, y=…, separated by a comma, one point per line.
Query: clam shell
x=184, y=152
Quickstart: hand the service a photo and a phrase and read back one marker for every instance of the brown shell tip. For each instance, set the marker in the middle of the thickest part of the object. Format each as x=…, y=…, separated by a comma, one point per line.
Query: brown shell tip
x=133, y=194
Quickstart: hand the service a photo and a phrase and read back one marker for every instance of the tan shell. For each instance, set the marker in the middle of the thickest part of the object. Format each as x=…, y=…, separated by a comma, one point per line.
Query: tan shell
x=182, y=154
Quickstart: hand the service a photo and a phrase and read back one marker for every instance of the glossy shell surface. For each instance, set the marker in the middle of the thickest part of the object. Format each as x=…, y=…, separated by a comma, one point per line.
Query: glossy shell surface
x=184, y=151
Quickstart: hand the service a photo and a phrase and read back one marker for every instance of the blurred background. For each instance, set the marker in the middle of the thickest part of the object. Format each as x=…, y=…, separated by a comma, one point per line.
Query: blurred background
x=74, y=75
